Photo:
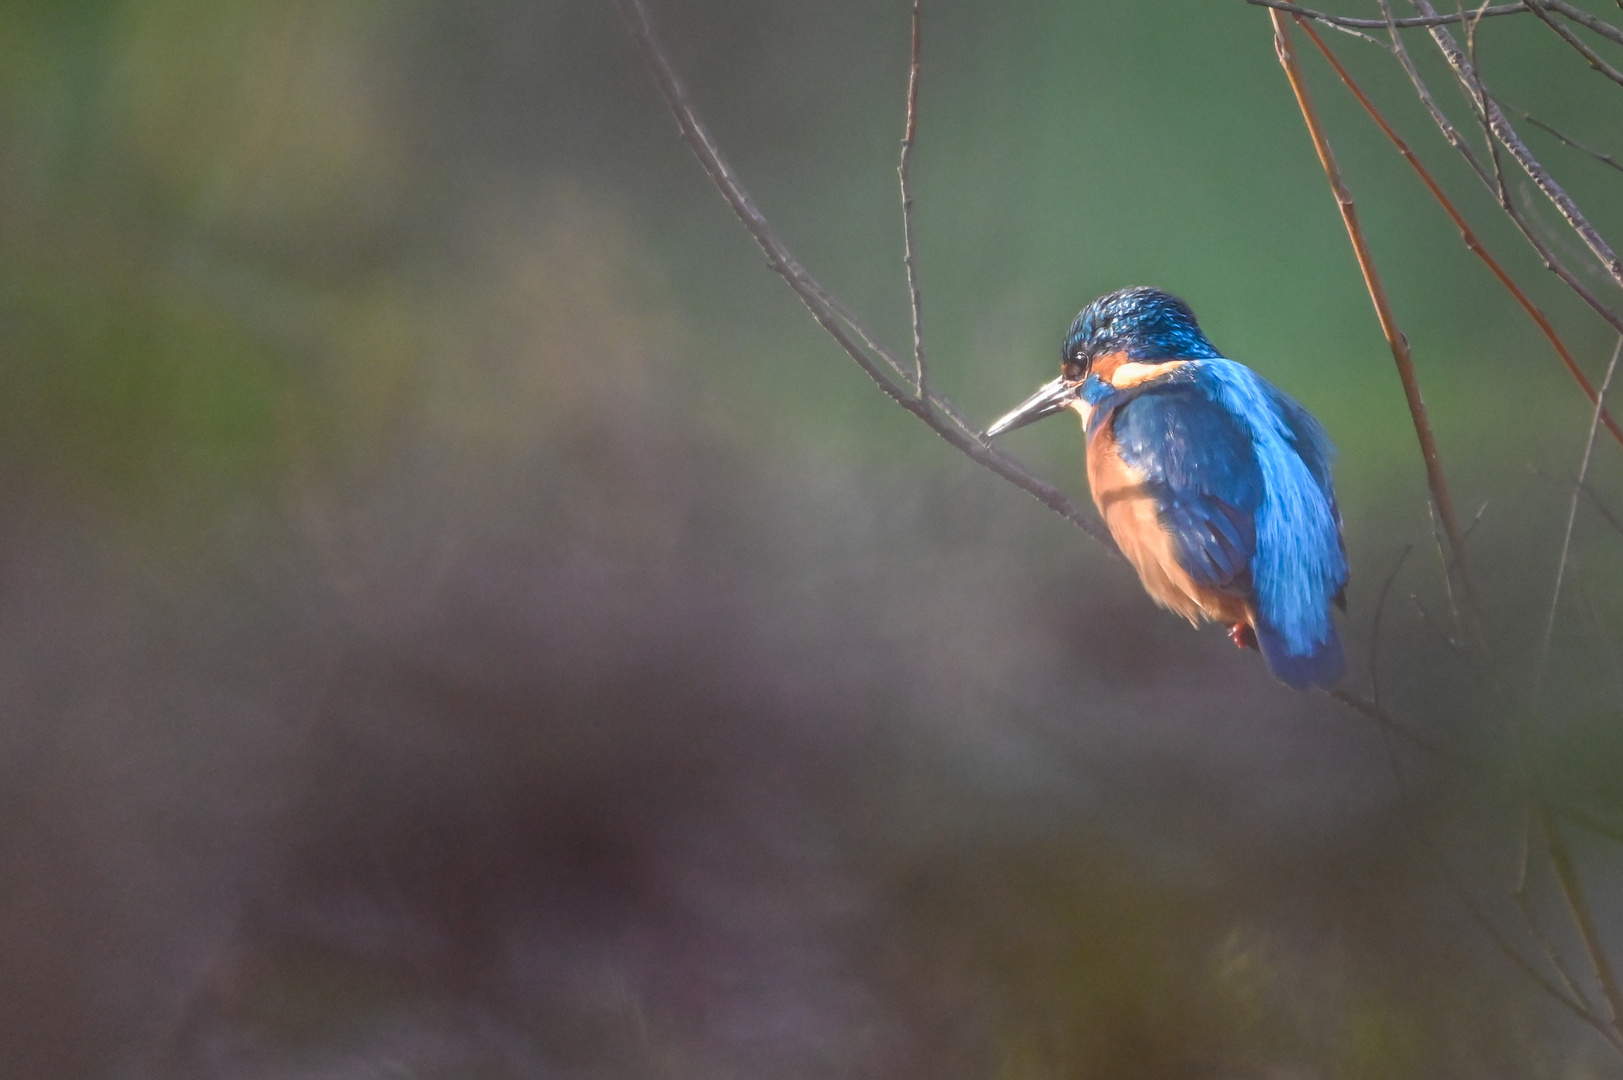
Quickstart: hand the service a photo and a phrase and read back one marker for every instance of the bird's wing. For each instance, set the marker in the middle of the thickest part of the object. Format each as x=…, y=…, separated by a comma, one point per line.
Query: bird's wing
x=1198, y=461
x=1301, y=561
x=1311, y=441
x=1308, y=437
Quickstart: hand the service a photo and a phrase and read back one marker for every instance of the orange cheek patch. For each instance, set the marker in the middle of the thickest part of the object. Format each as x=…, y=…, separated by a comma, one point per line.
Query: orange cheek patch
x=1105, y=366
x=1132, y=373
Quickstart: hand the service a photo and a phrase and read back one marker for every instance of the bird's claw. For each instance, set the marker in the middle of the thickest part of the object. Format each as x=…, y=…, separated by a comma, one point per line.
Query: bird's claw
x=1243, y=636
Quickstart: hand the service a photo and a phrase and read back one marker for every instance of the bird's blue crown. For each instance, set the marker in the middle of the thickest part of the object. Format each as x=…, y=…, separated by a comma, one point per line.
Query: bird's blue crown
x=1144, y=323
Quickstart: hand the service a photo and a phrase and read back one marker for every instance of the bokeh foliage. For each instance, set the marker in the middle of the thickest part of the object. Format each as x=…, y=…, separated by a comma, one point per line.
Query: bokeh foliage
x=457, y=614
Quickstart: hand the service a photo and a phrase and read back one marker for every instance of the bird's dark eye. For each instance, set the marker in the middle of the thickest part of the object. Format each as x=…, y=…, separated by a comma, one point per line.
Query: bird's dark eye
x=1073, y=368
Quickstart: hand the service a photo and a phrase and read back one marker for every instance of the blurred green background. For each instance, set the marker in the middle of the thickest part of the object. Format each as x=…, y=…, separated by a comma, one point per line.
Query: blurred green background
x=460, y=617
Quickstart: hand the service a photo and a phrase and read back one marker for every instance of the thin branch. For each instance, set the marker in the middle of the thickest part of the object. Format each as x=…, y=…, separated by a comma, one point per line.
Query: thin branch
x=938, y=413
x=1584, y=18
x=903, y=172
x=1436, y=627
x=1479, y=98
x=1375, y=628
x=1611, y=518
x=1523, y=858
x=1372, y=709
x=1507, y=136
x=1510, y=952
x=1379, y=24
x=1466, y=234
x=1395, y=338
x=699, y=140
x=1572, y=889
x=1457, y=141
x=1535, y=930
x=1447, y=566
x=1385, y=721
x=1605, y=159
x=1572, y=516
x=1523, y=899
x=1583, y=50
x=1591, y=822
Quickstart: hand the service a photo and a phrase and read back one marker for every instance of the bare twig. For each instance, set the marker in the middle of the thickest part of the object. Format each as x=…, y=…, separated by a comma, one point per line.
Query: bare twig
x=1457, y=141
x=903, y=172
x=1478, y=93
x=1537, y=8
x=1384, y=720
x=1572, y=516
x=1591, y=822
x=1375, y=628
x=1571, y=887
x=878, y=363
x=1466, y=234
x=1378, y=24
x=1566, y=873
x=1506, y=135
x=1522, y=897
x=1577, y=1007
x=1436, y=627
x=1373, y=709
x=1395, y=338
x=1535, y=930
x=1605, y=159
x=1594, y=499
x=1447, y=566
x=1584, y=18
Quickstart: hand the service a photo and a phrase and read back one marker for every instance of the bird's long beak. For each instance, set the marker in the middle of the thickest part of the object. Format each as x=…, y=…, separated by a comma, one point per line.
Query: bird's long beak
x=1054, y=397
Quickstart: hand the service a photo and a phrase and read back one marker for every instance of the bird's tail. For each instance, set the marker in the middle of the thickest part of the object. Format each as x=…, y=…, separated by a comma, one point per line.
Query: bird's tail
x=1322, y=665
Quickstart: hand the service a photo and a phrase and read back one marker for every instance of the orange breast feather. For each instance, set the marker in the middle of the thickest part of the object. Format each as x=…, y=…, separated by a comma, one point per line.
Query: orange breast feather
x=1133, y=517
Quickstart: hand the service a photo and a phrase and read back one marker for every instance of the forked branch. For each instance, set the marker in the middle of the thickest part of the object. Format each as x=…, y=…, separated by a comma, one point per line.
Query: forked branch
x=877, y=362
x=1543, y=12
x=1517, y=218
x=1467, y=234
x=1377, y=24
x=1502, y=130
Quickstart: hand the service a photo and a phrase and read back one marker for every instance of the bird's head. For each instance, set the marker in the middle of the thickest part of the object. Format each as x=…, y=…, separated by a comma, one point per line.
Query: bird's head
x=1146, y=324
x=1140, y=324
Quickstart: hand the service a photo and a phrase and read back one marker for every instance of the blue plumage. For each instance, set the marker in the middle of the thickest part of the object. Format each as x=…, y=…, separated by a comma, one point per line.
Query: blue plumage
x=1198, y=462
x=1144, y=323
x=1215, y=483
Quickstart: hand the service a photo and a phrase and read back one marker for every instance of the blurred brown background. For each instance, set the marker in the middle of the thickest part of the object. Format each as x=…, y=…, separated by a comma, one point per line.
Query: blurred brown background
x=459, y=618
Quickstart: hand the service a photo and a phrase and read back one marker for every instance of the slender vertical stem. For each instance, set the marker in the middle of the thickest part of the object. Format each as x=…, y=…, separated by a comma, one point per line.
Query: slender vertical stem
x=1572, y=516
x=1566, y=872
x=904, y=173
x=1375, y=629
x=1399, y=344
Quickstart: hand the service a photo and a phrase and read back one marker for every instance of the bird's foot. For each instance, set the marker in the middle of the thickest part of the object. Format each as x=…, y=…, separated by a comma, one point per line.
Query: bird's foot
x=1243, y=636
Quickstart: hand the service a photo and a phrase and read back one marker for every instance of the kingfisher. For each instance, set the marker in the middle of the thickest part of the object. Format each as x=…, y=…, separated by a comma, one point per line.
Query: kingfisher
x=1214, y=483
